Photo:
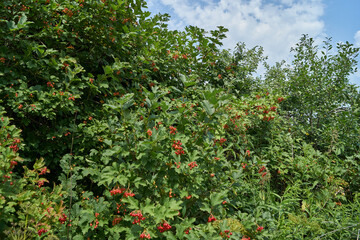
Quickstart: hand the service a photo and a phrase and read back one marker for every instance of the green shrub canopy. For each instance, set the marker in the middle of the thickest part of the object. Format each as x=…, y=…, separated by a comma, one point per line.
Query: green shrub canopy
x=115, y=127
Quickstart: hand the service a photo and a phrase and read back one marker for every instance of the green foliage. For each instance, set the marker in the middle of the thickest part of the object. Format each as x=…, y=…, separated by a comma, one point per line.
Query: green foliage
x=115, y=127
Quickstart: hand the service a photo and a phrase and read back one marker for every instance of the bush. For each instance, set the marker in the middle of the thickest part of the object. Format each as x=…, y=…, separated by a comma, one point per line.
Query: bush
x=114, y=127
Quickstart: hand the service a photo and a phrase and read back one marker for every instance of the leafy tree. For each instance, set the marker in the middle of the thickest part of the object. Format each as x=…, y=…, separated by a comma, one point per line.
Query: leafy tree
x=320, y=98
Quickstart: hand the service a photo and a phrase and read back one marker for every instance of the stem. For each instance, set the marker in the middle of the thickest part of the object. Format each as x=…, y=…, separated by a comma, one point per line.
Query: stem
x=70, y=197
x=340, y=230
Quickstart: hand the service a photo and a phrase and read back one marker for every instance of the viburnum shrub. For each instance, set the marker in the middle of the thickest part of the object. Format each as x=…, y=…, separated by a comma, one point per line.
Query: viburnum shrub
x=28, y=203
x=115, y=127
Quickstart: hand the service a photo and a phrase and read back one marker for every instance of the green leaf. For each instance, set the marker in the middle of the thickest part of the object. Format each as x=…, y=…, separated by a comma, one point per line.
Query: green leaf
x=11, y=25
x=205, y=207
x=176, y=89
x=132, y=202
x=147, y=207
x=189, y=84
x=208, y=107
x=185, y=81
x=217, y=198
x=79, y=237
x=128, y=104
x=22, y=20
x=108, y=70
x=168, y=209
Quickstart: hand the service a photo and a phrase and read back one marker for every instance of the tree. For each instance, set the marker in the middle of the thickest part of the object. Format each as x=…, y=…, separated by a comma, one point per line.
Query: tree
x=318, y=93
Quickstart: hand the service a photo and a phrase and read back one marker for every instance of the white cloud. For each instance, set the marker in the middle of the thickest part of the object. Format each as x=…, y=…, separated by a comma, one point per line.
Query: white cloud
x=357, y=39
x=276, y=25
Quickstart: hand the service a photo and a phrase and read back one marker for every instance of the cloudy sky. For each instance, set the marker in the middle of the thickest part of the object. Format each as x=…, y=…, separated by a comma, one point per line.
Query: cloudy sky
x=276, y=25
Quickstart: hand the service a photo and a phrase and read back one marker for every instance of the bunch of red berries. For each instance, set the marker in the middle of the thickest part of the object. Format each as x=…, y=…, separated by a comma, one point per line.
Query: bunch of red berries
x=145, y=235
x=173, y=130
x=13, y=163
x=211, y=218
x=138, y=217
x=259, y=229
x=221, y=141
x=187, y=230
x=116, y=220
x=40, y=183
x=178, y=148
x=41, y=231
x=129, y=194
x=177, y=164
x=164, y=227
x=149, y=132
x=192, y=165
x=43, y=171
x=62, y=219
x=226, y=233
x=263, y=168
x=117, y=191
x=14, y=147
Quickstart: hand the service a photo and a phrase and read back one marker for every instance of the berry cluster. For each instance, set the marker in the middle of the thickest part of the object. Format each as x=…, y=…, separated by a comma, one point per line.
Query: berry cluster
x=129, y=194
x=226, y=233
x=268, y=118
x=96, y=221
x=263, y=168
x=192, y=165
x=138, y=217
x=187, y=230
x=149, y=132
x=62, y=219
x=13, y=163
x=14, y=145
x=50, y=84
x=164, y=227
x=145, y=235
x=117, y=191
x=41, y=231
x=178, y=148
x=40, y=183
x=171, y=194
x=177, y=164
x=43, y=171
x=211, y=218
x=221, y=141
x=173, y=130
x=116, y=220
x=259, y=229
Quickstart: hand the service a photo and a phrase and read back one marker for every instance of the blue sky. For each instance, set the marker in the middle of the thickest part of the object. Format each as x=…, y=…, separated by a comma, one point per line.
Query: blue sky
x=276, y=25
x=342, y=19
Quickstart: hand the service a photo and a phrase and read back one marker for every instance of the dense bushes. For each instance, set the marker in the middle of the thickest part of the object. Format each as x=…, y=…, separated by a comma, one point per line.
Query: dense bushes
x=114, y=127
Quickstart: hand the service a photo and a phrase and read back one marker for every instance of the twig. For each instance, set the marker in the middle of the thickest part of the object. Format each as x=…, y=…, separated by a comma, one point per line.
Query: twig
x=70, y=195
x=340, y=230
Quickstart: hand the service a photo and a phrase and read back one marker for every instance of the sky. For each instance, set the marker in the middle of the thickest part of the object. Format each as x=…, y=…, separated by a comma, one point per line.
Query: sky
x=276, y=25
